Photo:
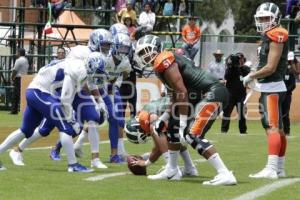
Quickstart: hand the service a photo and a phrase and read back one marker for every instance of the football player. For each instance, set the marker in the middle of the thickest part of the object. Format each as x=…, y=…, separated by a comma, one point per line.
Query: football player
x=100, y=40
x=187, y=84
x=118, y=65
x=42, y=102
x=139, y=128
x=269, y=81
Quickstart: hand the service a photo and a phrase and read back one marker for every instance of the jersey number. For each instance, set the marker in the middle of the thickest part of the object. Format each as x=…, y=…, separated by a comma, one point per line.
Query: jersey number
x=166, y=63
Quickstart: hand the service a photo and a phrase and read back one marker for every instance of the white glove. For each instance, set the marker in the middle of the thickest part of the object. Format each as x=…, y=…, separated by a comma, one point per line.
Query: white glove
x=101, y=108
x=75, y=125
x=182, y=126
x=247, y=79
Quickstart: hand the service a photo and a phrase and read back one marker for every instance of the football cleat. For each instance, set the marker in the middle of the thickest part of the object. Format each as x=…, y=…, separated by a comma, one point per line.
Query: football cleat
x=116, y=159
x=54, y=155
x=16, y=157
x=281, y=173
x=79, y=153
x=189, y=171
x=265, y=173
x=2, y=167
x=96, y=163
x=167, y=174
x=79, y=168
x=224, y=178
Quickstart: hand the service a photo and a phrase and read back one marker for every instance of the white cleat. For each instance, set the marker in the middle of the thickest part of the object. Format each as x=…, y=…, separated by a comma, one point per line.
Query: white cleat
x=96, y=163
x=192, y=171
x=16, y=157
x=281, y=173
x=225, y=178
x=167, y=174
x=78, y=153
x=265, y=173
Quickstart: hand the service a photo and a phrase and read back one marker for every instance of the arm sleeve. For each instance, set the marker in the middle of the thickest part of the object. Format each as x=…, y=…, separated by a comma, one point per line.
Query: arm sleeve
x=67, y=96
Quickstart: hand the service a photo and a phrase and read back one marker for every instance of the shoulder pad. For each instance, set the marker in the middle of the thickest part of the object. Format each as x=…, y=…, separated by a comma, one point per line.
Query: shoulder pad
x=278, y=35
x=163, y=61
x=76, y=69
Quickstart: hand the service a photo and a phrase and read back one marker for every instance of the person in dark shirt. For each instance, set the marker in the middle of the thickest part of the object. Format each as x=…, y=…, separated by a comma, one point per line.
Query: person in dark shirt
x=237, y=92
x=290, y=83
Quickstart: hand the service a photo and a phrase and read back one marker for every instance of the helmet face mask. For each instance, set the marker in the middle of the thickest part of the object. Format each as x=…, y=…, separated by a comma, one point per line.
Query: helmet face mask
x=148, y=47
x=267, y=17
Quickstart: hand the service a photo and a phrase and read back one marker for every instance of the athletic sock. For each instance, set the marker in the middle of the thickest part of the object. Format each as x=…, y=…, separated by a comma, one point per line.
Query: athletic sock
x=27, y=141
x=173, y=160
x=121, y=147
x=93, y=137
x=217, y=163
x=113, y=133
x=166, y=157
x=12, y=139
x=80, y=140
x=188, y=163
x=272, y=162
x=68, y=146
x=281, y=163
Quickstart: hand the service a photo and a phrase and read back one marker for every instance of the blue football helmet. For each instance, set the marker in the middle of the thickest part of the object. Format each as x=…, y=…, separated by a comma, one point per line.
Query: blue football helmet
x=100, y=40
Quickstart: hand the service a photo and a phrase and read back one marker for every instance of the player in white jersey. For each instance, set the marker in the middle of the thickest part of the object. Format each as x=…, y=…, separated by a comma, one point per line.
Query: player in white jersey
x=43, y=102
x=87, y=113
x=118, y=65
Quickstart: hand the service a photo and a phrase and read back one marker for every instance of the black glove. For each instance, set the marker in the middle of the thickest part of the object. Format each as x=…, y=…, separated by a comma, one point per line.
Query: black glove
x=158, y=127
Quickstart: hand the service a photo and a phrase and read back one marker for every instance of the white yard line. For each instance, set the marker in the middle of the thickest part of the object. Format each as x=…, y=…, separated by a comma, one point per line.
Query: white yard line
x=105, y=176
x=267, y=189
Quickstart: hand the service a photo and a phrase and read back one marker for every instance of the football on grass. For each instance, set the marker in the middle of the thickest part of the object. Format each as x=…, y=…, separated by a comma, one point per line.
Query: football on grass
x=136, y=170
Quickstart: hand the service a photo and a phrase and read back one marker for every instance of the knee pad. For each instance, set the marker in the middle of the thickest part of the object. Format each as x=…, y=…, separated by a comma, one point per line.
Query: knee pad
x=199, y=144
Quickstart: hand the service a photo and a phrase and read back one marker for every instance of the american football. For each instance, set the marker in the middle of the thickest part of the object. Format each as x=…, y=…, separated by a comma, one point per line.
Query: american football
x=136, y=170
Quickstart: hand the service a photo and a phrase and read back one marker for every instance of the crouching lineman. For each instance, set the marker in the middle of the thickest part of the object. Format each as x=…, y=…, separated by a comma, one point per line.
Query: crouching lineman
x=42, y=102
x=139, y=128
x=187, y=83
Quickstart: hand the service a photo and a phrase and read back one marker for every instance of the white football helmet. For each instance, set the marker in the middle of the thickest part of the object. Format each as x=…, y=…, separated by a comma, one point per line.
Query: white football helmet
x=121, y=46
x=95, y=64
x=100, y=40
x=118, y=28
x=269, y=10
x=147, y=48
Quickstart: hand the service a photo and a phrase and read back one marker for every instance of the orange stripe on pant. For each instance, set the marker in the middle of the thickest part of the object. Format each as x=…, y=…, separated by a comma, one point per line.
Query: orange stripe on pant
x=203, y=117
x=273, y=110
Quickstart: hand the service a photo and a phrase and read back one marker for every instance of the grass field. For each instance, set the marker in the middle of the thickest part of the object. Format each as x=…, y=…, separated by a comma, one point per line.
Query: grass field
x=42, y=178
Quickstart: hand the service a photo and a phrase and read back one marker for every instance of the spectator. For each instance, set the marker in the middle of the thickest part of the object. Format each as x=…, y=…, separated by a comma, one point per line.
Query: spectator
x=191, y=34
x=291, y=10
x=182, y=7
x=146, y=21
x=20, y=68
x=60, y=55
x=294, y=64
x=57, y=6
x=168, y=8
x=131, y=27
x=38, y=3
x=235, y=68
x=217, y=67
x=126, y=11
x=153, y=4
x=290, y=83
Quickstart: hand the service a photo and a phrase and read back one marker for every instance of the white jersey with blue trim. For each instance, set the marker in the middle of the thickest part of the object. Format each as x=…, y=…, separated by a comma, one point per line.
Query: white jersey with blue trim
x=80, y=52
x=51, y=77
x=115, y=72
